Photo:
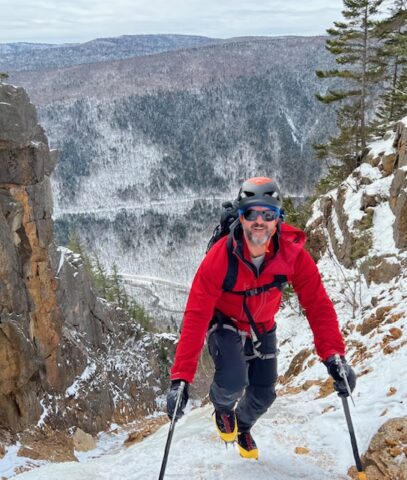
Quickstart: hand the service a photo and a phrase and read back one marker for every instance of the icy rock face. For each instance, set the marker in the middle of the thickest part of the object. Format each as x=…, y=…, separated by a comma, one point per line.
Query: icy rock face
x=401, y=143
x=398, y=204
x=61, y=348
x=362, y=225
x=364, y=221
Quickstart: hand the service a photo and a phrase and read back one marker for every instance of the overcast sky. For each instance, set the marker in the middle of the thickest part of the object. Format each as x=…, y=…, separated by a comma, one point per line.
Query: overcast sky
x=60, y=21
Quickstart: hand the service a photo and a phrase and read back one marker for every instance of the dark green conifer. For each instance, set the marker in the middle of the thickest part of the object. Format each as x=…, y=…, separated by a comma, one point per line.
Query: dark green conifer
x=353, y=43
x=3, y=76
x=392, y=33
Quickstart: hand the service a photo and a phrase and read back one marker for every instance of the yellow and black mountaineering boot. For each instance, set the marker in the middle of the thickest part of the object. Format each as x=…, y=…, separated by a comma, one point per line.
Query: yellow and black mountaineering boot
x=226, y=425
x=247, y=445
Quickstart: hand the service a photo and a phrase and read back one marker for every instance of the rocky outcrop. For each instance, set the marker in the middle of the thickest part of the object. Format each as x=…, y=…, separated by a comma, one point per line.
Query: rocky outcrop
x=398, y=204
x=61, y=347
x=332, y=227
x=380, y=270
x=386, y=457
x=346, y=228
x=400, y=144
x=362, y=228
x=30, y=317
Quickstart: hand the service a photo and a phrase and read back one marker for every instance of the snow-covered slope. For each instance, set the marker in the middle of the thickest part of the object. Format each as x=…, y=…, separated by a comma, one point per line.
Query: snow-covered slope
x=299, y=420
x=197, y=453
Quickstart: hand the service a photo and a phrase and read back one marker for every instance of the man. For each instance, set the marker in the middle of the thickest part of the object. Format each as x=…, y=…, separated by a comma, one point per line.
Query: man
x=239, y=322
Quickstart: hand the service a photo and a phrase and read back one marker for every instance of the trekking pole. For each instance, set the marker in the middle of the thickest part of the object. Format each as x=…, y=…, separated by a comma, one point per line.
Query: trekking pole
x=171, y=430
x=359, y=466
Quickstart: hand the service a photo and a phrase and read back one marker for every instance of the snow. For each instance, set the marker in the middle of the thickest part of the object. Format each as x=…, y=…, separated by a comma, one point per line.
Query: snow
x=368, y=171
x=338, y=231
x=63, y=251
x=380, y=187
x=383, y=241
x=382, y=147
x=44, y=414
x=147, y=280
x=12, y=461
x=197, y=453
x=294, y=131
x=86, y=375
x=353, y=201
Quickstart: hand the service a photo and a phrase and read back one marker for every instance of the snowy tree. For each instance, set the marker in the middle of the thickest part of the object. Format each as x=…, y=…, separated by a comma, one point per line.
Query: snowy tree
x=353, y=43
x=392, y=32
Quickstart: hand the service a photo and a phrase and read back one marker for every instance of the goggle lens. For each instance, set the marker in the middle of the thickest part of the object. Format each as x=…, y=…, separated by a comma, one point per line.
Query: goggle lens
x=267, y=215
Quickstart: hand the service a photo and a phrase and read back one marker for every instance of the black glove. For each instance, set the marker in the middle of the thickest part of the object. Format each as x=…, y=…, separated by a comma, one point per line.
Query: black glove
x=172, y=399
x=339, y=384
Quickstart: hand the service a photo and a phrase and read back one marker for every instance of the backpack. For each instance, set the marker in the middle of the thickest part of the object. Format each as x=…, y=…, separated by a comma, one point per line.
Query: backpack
x=228, y=216
x=229, y=219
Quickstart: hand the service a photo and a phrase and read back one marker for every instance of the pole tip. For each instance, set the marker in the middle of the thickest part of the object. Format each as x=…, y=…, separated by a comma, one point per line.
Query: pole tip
x=362, y=476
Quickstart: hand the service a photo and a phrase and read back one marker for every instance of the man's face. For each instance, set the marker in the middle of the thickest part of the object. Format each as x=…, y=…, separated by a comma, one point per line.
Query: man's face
x=258, y=231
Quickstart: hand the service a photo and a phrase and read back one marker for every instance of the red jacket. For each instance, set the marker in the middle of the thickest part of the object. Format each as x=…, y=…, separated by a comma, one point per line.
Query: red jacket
x=206, y=294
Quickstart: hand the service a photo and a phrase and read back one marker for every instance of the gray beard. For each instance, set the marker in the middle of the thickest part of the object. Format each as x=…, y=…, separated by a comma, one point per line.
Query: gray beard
x=257, y=241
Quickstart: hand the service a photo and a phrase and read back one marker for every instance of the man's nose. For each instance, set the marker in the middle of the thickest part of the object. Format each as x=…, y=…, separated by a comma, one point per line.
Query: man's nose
x=259, y=214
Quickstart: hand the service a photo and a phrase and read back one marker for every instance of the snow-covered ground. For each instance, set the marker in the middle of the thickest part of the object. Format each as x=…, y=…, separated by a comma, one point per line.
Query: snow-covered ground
x=293, y=421
x=300, y=420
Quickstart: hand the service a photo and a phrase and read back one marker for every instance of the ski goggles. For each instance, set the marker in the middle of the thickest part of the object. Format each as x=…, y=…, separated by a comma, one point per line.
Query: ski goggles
x=269, y=215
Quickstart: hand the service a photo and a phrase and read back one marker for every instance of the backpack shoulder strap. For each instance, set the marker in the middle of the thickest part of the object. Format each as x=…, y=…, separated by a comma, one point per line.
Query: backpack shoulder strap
x=279, y=282
x=231, y=274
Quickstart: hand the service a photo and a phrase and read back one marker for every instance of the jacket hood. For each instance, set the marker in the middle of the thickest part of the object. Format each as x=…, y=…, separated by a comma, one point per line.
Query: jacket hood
x=292, y=234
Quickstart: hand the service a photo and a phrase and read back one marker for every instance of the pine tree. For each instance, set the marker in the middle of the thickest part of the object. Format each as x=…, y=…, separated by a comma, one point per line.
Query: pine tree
x=110, y=287
x=75, y=244
x=353, y=43
x=3, y=76
x=117, y=293
x=392, y=32
x=101, y=280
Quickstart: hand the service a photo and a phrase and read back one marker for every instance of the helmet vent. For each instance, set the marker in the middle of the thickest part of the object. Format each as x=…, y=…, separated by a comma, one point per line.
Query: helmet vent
x=259, y=191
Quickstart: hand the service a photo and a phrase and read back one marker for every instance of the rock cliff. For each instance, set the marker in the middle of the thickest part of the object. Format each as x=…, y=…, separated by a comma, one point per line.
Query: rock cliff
x=381, y=183
x=359, y=232
x=67, y=358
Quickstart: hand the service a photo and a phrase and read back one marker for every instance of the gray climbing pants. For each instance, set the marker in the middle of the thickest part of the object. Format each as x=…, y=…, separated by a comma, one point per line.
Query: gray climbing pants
x=241, y=377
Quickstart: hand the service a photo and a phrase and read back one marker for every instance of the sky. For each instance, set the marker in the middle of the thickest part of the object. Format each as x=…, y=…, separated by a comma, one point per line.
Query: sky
x=63, y=21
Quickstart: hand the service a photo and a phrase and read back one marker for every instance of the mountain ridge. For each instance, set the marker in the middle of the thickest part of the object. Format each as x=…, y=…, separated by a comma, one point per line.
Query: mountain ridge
x=23, y=56
x=189, y=68
x=186, y=124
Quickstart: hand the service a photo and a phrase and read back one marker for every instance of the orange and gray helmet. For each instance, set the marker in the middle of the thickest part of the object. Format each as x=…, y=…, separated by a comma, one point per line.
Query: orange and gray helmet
x=259, y=191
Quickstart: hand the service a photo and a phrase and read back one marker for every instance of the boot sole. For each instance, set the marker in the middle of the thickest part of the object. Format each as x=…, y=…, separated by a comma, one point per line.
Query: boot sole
x=254, y=454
